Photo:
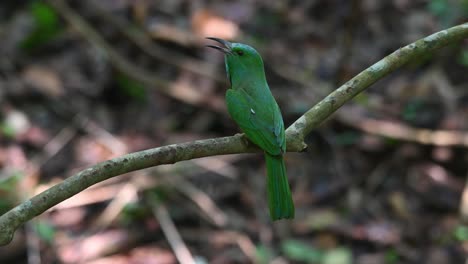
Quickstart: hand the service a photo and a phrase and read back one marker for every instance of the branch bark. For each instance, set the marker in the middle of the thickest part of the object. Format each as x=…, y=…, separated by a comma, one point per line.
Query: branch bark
x=13, y=219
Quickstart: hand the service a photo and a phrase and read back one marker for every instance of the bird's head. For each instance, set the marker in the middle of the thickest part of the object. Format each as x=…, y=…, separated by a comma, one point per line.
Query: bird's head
x=241, y=60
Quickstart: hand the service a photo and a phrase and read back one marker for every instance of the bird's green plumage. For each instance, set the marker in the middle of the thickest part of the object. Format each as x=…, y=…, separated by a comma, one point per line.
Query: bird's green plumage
x=279, y=194
x=253, y=107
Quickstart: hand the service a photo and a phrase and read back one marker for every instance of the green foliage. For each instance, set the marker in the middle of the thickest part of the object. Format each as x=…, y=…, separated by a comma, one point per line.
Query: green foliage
x=8, y=187
x=448, y=12
x=391, y=141
x=412, y=109
x=132, y=88
x=362, y=99
x=461, y=233
x=158, y=194
x=463, y=58
x=133, y=212
x=464, y=6
x=301, y=251
x=47, y=25
x=391, y=256
x=136, y=211
x=347, y=138
x=6, y=130
x=45, y=231
x=320, y=220
x=338, y=256
x=263, y=255
x=438, y=7
x=8, y=184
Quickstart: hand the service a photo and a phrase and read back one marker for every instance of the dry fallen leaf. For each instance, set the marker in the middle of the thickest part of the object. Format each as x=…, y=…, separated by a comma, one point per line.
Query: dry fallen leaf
x=43, y=80
x=205, y=23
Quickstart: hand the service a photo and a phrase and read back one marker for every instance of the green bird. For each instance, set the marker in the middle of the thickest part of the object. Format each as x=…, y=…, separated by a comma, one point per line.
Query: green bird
x=253, y=107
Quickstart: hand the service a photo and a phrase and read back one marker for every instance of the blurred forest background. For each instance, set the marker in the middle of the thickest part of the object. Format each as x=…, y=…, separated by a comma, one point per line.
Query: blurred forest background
x=85, y=81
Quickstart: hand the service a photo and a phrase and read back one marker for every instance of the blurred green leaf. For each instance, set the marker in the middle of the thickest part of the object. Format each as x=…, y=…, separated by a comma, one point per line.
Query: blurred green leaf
x=135, y=209
x=411, y=110
x=45, y=231
x=133, y=212
x=45, y=16
x=464, y=6
x=347, y=138
x=5, y=205
x=263, y=255
x=391, y=256
x=47, y=25
x=438, y=7
x=131, y=88
x=362, y=99
x=463, y=58
x=338, y=256
x=321, y=219
x=461, y=233
x=9, y=183
x=8, y=191
x=158, y=194
x=448, y=12
x=6, y=130
x=300, y=251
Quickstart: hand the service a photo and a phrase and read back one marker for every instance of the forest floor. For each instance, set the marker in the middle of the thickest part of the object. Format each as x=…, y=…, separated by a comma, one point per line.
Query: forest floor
x=86, y=81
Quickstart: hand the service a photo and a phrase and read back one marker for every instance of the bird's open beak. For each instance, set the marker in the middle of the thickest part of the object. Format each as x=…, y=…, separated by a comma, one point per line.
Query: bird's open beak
x=226, y=48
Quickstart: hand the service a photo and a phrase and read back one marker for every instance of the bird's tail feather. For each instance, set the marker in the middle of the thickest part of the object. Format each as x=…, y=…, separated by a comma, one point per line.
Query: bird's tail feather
x=279, y=195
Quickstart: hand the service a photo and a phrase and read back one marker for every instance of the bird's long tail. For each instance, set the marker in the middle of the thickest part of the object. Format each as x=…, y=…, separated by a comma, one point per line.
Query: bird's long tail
x=279, y=195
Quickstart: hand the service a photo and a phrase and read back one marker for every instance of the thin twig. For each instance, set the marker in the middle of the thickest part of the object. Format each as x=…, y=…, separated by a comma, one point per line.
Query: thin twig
x=224, y=237
x=145, y=43
x=464, y=203
x=182, y=92
x=33, y=243
x=401, y=131
x=321, y=111
x=126, y=194
x=181, y=251
x=203, y=201
x=111, y=142
x=295, y=134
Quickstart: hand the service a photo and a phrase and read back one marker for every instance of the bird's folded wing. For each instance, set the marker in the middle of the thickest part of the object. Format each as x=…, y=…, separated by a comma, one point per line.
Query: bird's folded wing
x=262, y=124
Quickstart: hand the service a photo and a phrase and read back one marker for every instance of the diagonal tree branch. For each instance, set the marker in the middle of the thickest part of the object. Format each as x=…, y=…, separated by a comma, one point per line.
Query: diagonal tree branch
x=322, y=110
x=13, y=219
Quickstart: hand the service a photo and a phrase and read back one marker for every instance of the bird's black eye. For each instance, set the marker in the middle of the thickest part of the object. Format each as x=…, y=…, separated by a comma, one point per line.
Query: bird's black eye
x=239, y=52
